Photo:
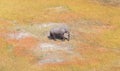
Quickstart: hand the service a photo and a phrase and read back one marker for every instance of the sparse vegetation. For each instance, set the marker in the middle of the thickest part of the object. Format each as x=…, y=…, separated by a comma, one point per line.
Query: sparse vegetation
x=110, y=2
x=94, y=42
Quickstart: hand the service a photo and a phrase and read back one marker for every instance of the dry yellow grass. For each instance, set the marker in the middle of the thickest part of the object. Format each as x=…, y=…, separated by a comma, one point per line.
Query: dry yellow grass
x=29, y=11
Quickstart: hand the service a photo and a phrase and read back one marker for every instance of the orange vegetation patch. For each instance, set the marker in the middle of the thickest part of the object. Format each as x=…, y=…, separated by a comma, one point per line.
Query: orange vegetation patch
x=4, y=23
x=3, y=32
x=26, y=42
x=91, y=51
x=22, y=46
x=4, y=28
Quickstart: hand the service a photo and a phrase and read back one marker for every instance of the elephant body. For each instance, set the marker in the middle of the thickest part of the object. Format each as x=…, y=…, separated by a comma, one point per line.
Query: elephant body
x=59, y=33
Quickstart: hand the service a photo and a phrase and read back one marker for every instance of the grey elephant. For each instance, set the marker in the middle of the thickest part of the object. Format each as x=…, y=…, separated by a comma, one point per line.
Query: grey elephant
x=60, y=33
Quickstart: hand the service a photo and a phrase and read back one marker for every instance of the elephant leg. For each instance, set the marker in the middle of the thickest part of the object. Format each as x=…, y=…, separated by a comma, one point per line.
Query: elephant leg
x=63, y=38
x=51, y=36
x=54, y=37
x=68, y=36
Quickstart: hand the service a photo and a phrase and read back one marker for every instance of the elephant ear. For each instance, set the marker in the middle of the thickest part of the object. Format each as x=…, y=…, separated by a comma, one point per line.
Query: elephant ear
x=66, y=35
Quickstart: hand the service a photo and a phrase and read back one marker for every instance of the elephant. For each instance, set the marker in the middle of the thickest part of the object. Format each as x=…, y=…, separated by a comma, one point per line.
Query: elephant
x=60, y=33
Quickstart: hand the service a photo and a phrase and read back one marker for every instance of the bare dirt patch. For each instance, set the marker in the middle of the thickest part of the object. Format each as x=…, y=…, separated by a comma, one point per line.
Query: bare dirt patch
x=109, y=2
x=54, y=53
x=58, y=9
x=19, y=35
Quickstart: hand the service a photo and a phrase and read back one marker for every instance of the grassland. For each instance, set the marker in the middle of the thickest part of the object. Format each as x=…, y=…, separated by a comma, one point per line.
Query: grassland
x=95, y=31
